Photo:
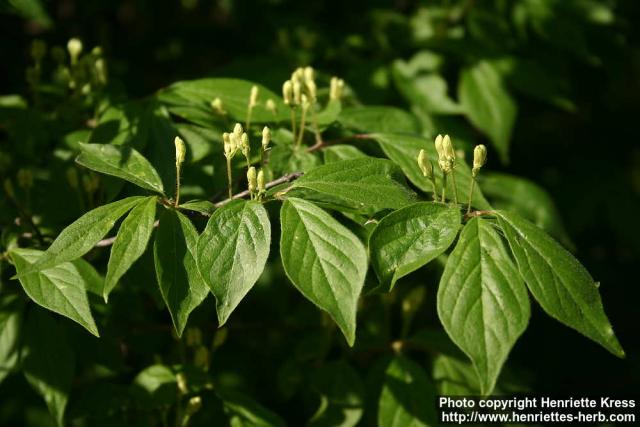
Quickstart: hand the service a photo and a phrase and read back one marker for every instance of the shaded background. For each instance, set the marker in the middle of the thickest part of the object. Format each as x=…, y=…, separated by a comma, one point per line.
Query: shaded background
x=586, y=156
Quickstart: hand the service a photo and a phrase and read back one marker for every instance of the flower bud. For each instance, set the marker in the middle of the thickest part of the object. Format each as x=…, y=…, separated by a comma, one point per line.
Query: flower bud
x=180, y=151
x=260, y=182
x=309, y=75
x=312, y=90
x=74, y=47
x=425, y=164
x=194, y=405
x=270, y=105
x=253, y=97
x=447, y=147
x=244, y=144
x=201, y=357
x=219, y=338
x=304, y=100
x=297, y=92
x=336, y=88
x=101, y=70
x=298, y=75
x=237, y=130
x=181, y=381
x=193, y=337
x=218, y=106
x=229, y=146
x=287, y=92
x=266, y=138
x=252, y=179
x=479, y=158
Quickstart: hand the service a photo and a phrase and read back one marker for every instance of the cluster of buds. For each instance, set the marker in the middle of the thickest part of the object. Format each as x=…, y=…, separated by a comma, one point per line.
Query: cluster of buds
x=255, y=182
x=301, y=88
x=336, y=88
x=446, y=153
x=234, y=141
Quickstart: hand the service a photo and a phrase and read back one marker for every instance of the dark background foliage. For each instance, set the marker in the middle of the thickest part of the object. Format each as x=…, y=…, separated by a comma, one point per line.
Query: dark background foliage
x=586, y=157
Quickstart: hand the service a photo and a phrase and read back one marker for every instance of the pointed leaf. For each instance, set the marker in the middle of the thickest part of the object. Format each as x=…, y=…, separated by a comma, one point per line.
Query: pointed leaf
x=181, y=285
x=49, y=363
x=488, y=105
x=404, y=149
x=131, y=242
x=339, y=152
x=243, y=411
x=482, y=301
x=363, y=185
x=232, y=252
x=83, y=234
x=324, y=260
x=411, y=237
x=562, y=286
x=61, y=289
x=408, y=397
x=11, y=309
x=122, y=162
x=378, y=119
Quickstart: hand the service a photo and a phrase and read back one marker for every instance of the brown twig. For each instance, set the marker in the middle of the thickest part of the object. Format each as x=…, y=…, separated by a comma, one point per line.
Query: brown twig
x=320, y=144
x=283, y=179
x=477, y=213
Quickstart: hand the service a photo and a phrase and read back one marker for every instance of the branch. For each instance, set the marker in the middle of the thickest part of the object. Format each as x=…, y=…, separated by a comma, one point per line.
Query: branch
x=283, y=179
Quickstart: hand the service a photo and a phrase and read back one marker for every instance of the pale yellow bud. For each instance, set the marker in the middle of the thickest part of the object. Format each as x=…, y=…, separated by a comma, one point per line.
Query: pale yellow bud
x=261, y=183
x=218, y=106
x=309, y=74
x=479, y=158
x=253, y=97
x=425, y=164
x=439, y=148
x=304, y=100
x=266, y=138
x=336, y=88
x=229, y=146
x=101, y=70
x=447, y=147
x=194, y=405
x=219, y=338
x=297, y=92
x=180, y=151
x=312, y=90
x=270, y=105
x=181, y=381
x=74, y=47
x=237, y=130
x=244, y=144
x=298, y=75
x=252, y=179
x=287, y=92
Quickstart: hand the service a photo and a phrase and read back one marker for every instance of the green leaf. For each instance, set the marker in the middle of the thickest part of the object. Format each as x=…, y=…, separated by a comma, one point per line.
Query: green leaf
x=427, y=91
x=83, y=234
x=528, y=199
x=411, y=237
x=181, y=285
x=341, y=396
x=232, y=252
x=408, y=397
x=121, y=162
x=155, y=386
x=49, y=363
x=61, y=289
x=378, y=119
x=324, y=260
x=482, y=301
x=10, y=334
x=404, y=149
x=204, y=207
x=361, y=185
x=192, y=100
x=335, y=153
x=131, y=242
x=455, y=377
x=246, y=412
x=488, y=105
x=563, y=287
x=329, y=114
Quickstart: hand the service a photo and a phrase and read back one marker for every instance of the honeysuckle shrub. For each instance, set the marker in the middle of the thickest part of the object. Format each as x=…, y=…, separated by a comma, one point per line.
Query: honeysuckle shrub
x=232, y=252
